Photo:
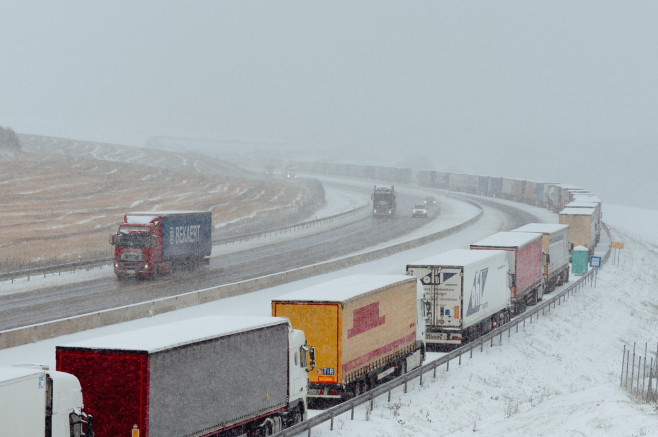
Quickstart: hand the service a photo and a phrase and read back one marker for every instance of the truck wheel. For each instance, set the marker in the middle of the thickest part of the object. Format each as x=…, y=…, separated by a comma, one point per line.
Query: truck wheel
x=296, y=416
x=359, y=388
x=372, y=382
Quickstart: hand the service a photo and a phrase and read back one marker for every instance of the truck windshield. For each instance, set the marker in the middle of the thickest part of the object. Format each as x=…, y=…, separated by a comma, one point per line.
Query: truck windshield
x=132, y=237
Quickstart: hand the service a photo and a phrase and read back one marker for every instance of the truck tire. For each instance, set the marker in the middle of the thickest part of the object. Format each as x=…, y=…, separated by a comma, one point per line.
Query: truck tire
x=359, y=387
x=297, y=416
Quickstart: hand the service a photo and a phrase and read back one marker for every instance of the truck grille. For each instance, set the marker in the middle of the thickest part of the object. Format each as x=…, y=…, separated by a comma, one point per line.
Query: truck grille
x=131, y=257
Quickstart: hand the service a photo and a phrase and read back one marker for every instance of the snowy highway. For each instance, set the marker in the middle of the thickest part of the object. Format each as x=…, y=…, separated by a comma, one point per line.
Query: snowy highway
x=249, y=260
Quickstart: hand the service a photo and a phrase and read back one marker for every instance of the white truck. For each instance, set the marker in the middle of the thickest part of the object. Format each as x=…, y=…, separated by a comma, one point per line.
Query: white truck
x=555, y=245
x=36, y=402
x=467, y=293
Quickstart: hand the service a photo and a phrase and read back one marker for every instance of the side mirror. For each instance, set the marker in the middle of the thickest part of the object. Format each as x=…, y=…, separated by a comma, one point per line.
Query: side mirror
x=112, y=239
x=311, y=355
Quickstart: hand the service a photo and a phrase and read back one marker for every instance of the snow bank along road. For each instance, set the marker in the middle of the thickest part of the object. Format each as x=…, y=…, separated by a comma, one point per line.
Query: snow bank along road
x=236, y=270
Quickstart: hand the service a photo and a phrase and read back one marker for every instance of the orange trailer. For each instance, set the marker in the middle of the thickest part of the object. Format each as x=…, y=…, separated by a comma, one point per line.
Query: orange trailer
x=365, y=328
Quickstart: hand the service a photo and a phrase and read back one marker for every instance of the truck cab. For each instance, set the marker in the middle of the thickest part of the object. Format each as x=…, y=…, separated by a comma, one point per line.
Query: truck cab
x=41, y=402
x=138, y=250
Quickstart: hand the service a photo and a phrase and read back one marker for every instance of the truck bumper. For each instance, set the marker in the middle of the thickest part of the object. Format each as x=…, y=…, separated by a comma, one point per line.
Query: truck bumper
x=317, y=391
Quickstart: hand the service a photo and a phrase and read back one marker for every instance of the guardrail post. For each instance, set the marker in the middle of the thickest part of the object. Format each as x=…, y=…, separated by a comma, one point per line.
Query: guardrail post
x=623, y=359
x=352, y=404
x=331, y=426
x=460, y=358
x=389, y=400
x=421, y=378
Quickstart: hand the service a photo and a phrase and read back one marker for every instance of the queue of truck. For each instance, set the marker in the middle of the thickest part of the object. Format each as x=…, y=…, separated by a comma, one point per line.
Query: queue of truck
x=207, y=376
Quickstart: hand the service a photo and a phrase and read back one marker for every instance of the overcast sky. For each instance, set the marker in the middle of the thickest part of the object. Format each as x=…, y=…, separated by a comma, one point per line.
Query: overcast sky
x=519, y=88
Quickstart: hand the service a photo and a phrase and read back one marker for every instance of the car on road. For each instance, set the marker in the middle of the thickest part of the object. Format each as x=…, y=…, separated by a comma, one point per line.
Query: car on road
x=430, y=201
x=419, y=211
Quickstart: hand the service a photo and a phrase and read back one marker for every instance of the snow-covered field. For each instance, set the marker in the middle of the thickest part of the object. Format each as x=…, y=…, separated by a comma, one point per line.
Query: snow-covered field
x=559, y=376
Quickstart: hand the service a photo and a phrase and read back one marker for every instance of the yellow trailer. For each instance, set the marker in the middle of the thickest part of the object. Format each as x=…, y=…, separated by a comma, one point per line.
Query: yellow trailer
x=365, y=328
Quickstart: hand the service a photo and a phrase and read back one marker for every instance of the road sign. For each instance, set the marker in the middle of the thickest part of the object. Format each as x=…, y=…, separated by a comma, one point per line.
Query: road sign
x=617, y=245
x=595, y=261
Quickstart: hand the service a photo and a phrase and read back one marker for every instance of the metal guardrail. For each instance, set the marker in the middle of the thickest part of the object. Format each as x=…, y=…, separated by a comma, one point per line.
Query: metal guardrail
x=456, y=354
x=87, y=264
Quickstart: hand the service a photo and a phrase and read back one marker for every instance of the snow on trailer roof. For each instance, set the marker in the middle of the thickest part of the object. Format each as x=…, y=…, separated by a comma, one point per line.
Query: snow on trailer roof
x=577, y=211
x=541, y=227
x=11, y=373
x=169, y=335
x=508, y=239
x=145, y=217
x=456, y=257
x=342, y=289
x=173, y=212
x=581, y=203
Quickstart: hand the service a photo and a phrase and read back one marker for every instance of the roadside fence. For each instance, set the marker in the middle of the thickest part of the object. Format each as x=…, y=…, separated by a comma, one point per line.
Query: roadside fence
x=639, y=373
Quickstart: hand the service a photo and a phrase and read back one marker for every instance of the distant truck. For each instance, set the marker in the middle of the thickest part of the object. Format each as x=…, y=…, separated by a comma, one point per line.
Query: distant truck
x=208, y=376
x=38, y=402
x=151, y=243
x=524, y=259
x=383, y=201
x=555, y=244
x=364, y=328
x=467, y=293
x=582, y=226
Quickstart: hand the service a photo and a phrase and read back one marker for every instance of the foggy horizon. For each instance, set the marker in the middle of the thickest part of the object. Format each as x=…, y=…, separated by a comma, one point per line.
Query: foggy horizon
x=547, y=91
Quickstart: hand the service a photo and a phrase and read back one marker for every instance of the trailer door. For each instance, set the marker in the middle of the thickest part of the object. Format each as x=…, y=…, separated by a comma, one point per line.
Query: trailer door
x=443, y=291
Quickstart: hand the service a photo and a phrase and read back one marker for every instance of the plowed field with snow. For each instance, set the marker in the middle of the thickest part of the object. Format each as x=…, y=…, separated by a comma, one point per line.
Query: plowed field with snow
x=61, y=199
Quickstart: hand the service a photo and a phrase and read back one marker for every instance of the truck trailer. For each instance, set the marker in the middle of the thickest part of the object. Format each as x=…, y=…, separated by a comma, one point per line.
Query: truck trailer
x=583, y=201
x=207, y=376
x=155, y=242
x=365, y=327
x=555, y=244
x=524, y=260
x=38, y=402
x=468, y=294
x=582, y=226
x=383, y=201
